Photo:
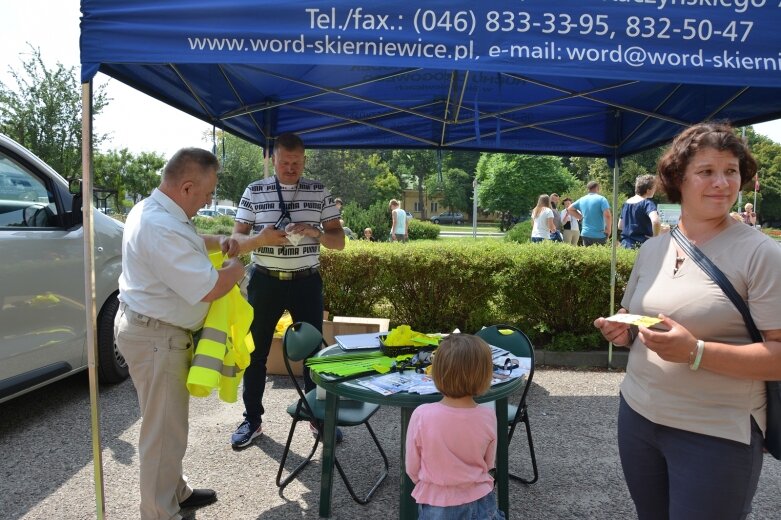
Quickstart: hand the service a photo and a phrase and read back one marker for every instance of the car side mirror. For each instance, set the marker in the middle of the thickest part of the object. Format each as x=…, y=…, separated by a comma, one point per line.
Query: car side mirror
x=74, y=217
x=74, y=186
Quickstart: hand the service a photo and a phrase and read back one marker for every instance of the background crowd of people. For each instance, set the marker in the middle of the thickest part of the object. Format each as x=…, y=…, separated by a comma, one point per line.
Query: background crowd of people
x=588, y=220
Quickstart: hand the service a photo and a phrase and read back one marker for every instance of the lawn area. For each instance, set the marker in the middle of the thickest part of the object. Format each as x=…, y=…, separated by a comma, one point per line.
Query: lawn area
x=468, y=226
x=452, y=237
x=775, y=234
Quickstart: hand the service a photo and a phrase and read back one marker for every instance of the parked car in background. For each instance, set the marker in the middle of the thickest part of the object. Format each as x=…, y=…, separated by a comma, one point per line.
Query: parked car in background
x=227, y=210
x=448, y=217
x=208, y=213
x=216, y=211
x=43, y=325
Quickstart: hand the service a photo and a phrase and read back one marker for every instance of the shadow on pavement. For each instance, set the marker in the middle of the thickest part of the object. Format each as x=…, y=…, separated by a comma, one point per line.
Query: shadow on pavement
x=45, y=440
x=46, y=463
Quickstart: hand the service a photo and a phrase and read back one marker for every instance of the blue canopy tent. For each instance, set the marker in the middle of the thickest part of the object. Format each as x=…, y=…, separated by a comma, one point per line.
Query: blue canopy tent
x=575, y=77
x=588, y=77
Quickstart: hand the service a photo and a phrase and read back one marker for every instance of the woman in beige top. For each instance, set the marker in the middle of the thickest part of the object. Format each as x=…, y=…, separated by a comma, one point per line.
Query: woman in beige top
x=693, y=402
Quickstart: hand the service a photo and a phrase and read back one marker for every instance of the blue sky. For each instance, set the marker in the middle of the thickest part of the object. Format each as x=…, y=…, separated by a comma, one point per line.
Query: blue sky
x=134, y=120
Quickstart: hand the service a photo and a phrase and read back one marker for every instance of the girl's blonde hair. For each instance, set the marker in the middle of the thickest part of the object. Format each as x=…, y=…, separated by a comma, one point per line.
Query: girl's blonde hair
x=542, y=202
x=462, y=366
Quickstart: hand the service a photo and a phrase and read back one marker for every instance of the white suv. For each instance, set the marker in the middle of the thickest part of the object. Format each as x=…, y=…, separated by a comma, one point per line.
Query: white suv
x=42, y=316
x=227, y=210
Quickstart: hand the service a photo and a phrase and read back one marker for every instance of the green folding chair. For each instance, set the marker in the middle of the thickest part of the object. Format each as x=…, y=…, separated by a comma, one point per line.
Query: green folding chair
x=300, y=341
x=519, y=344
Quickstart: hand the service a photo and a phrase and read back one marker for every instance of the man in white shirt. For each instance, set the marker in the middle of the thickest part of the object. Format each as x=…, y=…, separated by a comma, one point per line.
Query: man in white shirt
x=166, y=285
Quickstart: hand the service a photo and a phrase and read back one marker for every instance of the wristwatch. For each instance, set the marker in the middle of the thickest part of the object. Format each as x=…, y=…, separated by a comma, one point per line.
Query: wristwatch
x=319, y=228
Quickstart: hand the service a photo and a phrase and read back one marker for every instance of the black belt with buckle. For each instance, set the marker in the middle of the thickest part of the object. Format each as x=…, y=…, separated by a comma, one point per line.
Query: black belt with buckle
x=287, y=275
x=148, y=321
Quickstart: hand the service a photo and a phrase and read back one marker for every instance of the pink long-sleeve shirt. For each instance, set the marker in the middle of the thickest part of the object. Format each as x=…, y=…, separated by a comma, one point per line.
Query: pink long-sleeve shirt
x=449, y=452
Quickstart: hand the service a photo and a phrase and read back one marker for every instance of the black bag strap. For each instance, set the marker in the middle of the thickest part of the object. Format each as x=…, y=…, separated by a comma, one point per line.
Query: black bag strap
x=721, y=280
x=282, y=206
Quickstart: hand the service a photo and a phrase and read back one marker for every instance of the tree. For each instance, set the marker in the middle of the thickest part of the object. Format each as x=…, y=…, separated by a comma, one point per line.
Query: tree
x=629, y=170
x=360, y=176
x=127, y=174
x=768, y=156
x=631, y=167
x=43, y=113
x=579, y=167
x=511, y=184
x=143, y=175
x=414, y=166
x=463, y=160
x=455, y=188
x=327, y=166
x=242, y=164
x=385, y=185
x=110, y=168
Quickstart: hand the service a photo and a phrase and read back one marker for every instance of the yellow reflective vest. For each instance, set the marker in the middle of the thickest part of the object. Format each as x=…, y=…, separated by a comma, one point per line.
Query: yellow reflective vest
x=223, y=350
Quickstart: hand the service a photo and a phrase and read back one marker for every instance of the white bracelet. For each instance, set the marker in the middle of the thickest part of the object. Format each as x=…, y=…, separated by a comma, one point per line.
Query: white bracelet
x=695, y=364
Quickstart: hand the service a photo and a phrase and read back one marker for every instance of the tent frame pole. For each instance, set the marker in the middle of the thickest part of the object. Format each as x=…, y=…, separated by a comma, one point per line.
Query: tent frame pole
x=267, y=146
x=474, y=207
x=89, y=292
x=613, y=253
x=614, y=234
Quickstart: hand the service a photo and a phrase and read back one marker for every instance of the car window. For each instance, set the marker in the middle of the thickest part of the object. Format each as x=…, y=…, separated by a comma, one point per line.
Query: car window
x=25, y=200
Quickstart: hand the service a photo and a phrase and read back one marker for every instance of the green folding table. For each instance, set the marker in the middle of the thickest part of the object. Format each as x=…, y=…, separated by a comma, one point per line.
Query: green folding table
x=407, y=402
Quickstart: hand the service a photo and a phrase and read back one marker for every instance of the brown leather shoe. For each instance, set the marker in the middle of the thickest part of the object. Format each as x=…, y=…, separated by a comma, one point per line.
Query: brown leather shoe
x=199, y=498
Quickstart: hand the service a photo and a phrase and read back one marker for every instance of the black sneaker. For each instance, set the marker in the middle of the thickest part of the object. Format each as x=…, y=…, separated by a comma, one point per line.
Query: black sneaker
x=245, y=433
x=339, y=434
x=199, y=498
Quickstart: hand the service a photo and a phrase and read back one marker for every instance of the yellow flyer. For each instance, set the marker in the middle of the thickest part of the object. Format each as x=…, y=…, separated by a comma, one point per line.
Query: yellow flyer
x=635, y=319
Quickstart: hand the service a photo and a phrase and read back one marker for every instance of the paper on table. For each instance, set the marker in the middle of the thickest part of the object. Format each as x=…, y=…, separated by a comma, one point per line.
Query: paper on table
x=634, y=319
x=391, y=383
x=358, y=341
x=500, y=356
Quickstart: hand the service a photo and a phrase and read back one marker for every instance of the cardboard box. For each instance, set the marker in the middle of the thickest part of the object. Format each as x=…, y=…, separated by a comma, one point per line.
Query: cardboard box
x=384, y=323
x=276, y=364
x=336, y=328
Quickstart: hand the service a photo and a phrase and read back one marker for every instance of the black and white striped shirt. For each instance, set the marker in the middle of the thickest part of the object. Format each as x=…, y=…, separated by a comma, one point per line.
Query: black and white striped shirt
x=308, y=202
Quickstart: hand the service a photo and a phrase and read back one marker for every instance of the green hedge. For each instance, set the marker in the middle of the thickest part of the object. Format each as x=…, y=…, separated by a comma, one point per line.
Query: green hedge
x=551, y=291
x=221, y=225
x=422, y=230
x=520, y=233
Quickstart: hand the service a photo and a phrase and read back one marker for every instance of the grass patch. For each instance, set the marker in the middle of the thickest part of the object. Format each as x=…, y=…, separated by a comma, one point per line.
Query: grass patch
x=468, y=226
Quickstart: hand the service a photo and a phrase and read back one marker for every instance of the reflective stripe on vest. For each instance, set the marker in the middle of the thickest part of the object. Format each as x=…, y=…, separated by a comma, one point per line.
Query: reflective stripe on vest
x=223, y=350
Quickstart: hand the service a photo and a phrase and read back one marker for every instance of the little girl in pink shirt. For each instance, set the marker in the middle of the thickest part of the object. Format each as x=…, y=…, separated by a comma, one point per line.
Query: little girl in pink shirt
x=451, y=444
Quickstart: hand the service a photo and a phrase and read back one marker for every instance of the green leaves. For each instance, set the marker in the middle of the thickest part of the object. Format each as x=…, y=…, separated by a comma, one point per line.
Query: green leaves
x=512, y=183
x=548, y=290
x=43, y=112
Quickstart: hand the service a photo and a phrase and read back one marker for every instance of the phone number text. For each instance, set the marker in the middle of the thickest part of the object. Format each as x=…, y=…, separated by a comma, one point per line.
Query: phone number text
x=702, y=29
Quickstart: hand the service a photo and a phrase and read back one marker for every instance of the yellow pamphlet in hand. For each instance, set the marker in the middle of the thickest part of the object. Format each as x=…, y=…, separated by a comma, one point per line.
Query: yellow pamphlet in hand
x=634, y=319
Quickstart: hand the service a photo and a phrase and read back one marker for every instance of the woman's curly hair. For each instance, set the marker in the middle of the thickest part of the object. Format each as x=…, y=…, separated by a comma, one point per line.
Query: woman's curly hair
x=718, y=136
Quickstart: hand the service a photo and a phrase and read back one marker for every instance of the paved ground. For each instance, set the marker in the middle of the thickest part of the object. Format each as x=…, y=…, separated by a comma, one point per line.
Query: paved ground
x=46, y=466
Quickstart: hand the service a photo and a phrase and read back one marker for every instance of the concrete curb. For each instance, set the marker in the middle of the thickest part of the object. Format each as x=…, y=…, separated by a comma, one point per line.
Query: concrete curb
x=597, y=359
